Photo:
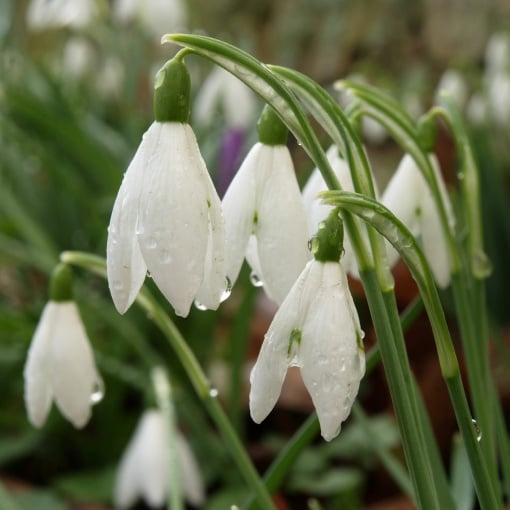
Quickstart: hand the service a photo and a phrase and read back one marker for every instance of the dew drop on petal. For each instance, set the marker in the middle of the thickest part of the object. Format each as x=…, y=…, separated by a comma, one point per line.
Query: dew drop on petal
x=478, y=430
x=97, y=392
x=151, y=243
x=199, y=305
x=149, y=274
x=117, y=285
x=255, y=280
x=165, y=257
x=227, y=291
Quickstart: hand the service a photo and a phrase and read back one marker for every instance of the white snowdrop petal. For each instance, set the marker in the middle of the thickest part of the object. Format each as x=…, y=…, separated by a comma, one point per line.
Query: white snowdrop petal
x=153, y=459
x=315, y=211
x=191, y=479
x=38, y=392
x=252, y=257
x=127, y=481
x=125, y=266
x=173, y=227
x=269, y=371
x=402, y=196
x=434, y=243
x=214, y=280
x=281, y=229
x=239, y=211
x=74, y=376
x=331, y=367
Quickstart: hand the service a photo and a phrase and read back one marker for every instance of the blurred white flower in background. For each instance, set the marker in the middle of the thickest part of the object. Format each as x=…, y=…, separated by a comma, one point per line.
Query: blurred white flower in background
x=45, y=14
x=453, y=82
x=157, y=17
x=145, y=466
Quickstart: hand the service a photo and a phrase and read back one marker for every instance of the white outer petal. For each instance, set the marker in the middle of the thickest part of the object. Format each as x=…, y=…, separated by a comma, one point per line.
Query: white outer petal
x=281, y=230
x=403, y=197
x=74, y=375
x=214, y=280
x=238, y=211
x=269, y=371
x=143, y=469
x=37, y=372
x=125, y=266
x=173, y=215
x=331, y=363
x=190, y=476
x=433, y=239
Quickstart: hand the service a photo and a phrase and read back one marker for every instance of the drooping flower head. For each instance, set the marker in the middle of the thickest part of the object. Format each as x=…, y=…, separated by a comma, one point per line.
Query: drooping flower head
x=317, y=329
x=145, y=466
x=265, y=218
x=167, y=217
x=409, y=198
x=60, y=364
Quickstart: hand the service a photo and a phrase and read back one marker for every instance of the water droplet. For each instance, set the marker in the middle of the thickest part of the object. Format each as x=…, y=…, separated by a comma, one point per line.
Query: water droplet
x=227, y=291
x=478, y=430
x=255, y=280
x=481, y=264
x=151, y=243
x=165, y=257
x=97, y=392
x=117, y=285
x=460, y=176
x=321, y=225
x=213, y=392
x=149, y=274
x=199, y=305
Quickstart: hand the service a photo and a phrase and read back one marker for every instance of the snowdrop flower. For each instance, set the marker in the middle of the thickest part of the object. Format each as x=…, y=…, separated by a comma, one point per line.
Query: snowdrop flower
x=145, y=466
x=60, y=364
x=167, y=216
x=497, y=53
x=317, y=329
x=43, y=14
x=316, y=211
x=453, y=82
x=264, y=213
x=157, y=17
x=409, y=197
x=234, y=99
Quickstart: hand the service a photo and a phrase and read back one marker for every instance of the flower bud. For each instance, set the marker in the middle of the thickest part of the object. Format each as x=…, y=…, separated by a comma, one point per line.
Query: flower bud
x=172, y=90
x=272, y=131
x=61, y=284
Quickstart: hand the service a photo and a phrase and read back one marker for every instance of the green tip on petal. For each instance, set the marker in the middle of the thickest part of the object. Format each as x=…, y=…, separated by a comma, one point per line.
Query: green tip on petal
x=172, y=92
x=427, y=132
x=328, y=243
x=271, y=130
x=61, y=283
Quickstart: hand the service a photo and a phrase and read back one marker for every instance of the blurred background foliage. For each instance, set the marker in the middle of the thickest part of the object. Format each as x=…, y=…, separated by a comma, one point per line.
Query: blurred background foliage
x=75, y=99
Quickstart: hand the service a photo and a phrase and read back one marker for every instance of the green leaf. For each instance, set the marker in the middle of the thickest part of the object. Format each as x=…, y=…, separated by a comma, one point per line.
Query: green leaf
x=93, y=486
x=335, y=481
x=40, y=500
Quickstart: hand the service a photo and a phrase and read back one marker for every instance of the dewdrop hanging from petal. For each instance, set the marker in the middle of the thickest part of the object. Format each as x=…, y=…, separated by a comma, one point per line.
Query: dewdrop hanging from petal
x=265, y=218
x=167, y=217
x=60, y=364
x=317, y=329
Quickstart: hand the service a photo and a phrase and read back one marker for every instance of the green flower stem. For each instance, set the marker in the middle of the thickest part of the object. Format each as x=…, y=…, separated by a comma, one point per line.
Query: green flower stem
x=163, y=394
x=398, y=374
x=469, y=291
x=404, y=242
x=207, y=395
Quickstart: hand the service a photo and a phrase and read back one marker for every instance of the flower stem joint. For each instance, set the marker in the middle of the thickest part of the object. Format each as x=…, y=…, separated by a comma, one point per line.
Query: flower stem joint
x=172, y=92
x=327, y=245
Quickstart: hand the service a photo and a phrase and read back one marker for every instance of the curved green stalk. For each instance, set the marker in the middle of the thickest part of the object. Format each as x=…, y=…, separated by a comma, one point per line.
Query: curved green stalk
x=274, y=91
x=207, y=395
x=402, y=128
x=162, y=390
x=404, y=242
